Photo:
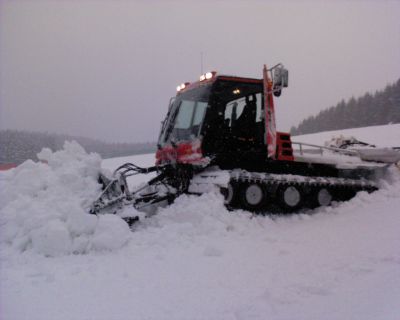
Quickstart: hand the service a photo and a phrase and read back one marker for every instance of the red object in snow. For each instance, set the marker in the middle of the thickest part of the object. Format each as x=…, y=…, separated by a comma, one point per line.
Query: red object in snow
x=7, y=166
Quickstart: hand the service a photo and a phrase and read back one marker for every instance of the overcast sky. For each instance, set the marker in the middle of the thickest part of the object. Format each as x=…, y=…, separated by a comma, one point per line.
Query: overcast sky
x=106, y=69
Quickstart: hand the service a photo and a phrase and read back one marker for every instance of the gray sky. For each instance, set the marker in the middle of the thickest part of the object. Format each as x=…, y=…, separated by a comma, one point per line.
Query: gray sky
x=106, y=69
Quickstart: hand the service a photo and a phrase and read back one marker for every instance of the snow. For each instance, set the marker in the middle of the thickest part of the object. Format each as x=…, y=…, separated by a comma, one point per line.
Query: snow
x=194, y=259
x=44, y=205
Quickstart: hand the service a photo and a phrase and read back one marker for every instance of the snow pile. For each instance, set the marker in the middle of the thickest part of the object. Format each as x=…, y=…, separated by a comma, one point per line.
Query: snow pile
x=43, y=206
x=193, y=216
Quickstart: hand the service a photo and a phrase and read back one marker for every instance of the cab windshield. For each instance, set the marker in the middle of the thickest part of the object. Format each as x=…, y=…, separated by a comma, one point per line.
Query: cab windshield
x=186, y=115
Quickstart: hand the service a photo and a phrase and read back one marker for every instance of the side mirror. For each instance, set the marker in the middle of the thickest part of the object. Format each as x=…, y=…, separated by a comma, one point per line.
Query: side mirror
x=280, y=79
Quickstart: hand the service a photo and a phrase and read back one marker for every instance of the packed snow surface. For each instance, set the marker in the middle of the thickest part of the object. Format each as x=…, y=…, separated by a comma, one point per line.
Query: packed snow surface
x=194, y=259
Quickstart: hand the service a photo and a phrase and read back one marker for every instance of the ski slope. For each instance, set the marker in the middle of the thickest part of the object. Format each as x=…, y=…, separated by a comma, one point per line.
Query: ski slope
x=194, y=259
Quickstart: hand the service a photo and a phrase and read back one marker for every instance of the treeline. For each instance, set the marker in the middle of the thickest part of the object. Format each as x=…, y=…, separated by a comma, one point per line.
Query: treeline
x=17, y=146
x=381, y=108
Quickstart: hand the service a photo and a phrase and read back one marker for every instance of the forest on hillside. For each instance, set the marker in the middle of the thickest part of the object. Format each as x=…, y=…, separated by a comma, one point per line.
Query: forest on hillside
x=380, y=108
x=17, y=146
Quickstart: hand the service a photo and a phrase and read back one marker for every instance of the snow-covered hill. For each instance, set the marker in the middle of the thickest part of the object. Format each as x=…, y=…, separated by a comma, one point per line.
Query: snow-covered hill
x=194, y=259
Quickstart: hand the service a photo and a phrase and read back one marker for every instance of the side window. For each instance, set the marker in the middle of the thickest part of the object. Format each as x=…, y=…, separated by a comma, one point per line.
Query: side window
x=166, y=122
x=234, y=109
x=173, y=112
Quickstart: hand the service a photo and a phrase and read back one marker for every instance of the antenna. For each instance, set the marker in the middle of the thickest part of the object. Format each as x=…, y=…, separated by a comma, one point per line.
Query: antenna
x=201, y=62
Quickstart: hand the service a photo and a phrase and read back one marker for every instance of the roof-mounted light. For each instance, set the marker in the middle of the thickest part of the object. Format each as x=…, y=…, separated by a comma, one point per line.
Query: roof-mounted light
x=182, y=86
x=207, y=75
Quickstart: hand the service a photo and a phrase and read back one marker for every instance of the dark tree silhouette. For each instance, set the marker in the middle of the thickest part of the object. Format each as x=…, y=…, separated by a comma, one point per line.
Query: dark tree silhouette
x=381, y=108
x=18, y=146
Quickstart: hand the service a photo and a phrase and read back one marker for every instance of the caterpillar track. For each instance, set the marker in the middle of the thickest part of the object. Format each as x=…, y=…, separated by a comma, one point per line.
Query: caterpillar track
x=261, y=192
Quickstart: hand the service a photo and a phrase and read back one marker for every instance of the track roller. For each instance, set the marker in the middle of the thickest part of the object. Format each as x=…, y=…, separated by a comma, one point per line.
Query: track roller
x=231, y=194
x=290, y=198
x=253, y=196
x=324, y=197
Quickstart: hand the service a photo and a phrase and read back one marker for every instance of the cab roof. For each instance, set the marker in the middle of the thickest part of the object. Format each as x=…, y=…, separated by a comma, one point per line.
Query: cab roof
x=189, y=86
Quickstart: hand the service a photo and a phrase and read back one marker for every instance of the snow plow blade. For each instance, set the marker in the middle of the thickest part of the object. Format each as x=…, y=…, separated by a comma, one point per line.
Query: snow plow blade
x=116, y=194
